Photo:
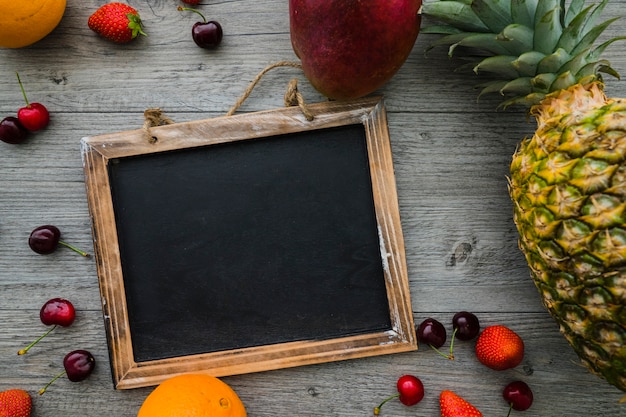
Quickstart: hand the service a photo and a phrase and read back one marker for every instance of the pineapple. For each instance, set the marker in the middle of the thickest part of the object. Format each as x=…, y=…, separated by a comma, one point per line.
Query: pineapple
x=568, y=181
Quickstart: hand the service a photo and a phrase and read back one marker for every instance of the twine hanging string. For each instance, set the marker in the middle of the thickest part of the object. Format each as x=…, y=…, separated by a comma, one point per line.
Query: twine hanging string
x=154, y=116
x=292, y=96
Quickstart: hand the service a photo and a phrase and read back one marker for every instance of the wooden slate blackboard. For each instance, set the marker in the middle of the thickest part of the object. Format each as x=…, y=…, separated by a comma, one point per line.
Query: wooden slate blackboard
x=248, y=243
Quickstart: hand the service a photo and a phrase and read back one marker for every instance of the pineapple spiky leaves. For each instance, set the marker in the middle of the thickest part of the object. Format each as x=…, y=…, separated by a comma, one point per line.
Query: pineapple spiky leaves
x=568, y=181
x=528, y=49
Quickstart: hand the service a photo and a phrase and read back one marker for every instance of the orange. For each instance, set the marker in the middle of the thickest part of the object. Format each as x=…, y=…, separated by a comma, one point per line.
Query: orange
x=23, y=23
x=192, y=395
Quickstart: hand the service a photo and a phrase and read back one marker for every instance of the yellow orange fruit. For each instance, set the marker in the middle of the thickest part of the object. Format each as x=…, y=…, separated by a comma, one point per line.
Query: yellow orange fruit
x=192, y=395
x=23, y=23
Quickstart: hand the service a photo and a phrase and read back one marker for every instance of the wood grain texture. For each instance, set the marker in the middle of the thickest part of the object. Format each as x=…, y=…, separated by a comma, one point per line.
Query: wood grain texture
x=450, y=153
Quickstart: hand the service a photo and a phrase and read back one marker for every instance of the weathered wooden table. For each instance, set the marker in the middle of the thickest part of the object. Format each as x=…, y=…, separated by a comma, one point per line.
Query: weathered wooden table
x=451, y=156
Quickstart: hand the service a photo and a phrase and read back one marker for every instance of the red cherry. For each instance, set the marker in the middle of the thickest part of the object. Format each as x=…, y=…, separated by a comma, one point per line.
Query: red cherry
x=78, y=364
x=34, y=116
x=519, y=396
x=410, y=392
x=55, y=312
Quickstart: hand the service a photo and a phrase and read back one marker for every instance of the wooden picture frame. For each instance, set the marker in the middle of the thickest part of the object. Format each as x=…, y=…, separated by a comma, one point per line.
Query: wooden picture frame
x=104, y=152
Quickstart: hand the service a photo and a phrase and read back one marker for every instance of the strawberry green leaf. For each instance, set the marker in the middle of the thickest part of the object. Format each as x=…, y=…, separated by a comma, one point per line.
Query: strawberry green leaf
x=134, y=24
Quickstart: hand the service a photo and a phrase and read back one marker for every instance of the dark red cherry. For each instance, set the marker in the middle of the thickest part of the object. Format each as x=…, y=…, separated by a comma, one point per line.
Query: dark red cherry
x=466, y=325
x=45, y=239
x=78, y=364
x=207, y=35
x=519, y=395
x=12, y=131
x=431, y=332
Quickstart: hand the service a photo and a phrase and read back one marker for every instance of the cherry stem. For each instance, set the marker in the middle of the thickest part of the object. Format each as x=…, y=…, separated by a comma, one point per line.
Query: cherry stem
x=75, y=249
x=510, y=408
x=377, y=409
x=22, y=88
x=189, y=9
x=41, y=391
x=25, y=350
x=450, y=355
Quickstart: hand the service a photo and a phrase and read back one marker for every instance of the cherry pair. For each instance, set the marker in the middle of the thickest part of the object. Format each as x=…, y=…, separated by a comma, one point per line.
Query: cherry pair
x=30, y=118
x=432, y=332
x=77, y=364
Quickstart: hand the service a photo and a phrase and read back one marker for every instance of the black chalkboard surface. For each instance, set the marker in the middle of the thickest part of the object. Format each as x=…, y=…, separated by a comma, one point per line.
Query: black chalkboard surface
x=274, y=249
x=283, y=247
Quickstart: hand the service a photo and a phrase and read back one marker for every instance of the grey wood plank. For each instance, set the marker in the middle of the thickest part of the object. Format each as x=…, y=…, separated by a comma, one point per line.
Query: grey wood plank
x=451, y=155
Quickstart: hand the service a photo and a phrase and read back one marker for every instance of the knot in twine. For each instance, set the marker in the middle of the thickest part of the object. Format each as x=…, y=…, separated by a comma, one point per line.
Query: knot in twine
x=293, y=97
x=154, y=117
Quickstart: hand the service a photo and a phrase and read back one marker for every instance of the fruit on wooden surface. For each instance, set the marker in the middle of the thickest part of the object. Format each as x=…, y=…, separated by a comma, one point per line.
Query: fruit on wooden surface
x=117, y=22
x=192, y=395
x=410, y=392
x=499, y=348
x=452, y=405
x=567, y=181
x=518, y=395
x=432, y=332
x=12, y=131
x=205, y=34
x=466, y=325
x=47, y=238
x=192, y=2
x=78, y=365
x=15, y=403
x=350, y=48
x=22, y=23
x=33, y=116
x=55, y=312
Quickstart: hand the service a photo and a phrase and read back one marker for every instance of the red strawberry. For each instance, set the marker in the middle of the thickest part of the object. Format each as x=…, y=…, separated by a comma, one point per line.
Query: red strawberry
x=452, y=405
x=193, y=2
x=116, y=22
x=499, y=348
x=15, y=403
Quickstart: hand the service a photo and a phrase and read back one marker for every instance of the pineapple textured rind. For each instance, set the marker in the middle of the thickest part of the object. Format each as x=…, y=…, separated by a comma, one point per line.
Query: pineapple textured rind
x=568, y=184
